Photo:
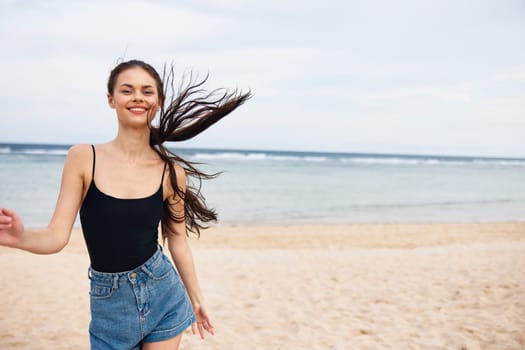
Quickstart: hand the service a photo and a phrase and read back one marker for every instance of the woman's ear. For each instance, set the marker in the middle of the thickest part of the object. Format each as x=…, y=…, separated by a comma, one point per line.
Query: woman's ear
x=110, y=101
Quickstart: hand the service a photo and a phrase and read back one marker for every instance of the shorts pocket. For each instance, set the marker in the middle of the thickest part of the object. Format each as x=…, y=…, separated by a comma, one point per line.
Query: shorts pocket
x=163, y=269
x=100, y=290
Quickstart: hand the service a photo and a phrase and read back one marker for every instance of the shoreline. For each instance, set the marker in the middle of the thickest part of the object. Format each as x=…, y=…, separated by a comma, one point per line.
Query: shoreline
x=408, y=235
x=358, y=286
x=363, y=235
x=341, y=236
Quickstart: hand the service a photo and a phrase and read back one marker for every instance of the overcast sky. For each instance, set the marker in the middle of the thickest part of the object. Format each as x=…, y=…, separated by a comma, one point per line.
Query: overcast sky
x=420, y=77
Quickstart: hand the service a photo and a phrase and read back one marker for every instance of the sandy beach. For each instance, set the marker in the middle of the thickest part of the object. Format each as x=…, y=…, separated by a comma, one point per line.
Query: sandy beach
x=362, y=286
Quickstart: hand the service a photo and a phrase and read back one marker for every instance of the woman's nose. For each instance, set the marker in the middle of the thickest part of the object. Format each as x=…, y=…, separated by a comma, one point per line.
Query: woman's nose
x=138, y=97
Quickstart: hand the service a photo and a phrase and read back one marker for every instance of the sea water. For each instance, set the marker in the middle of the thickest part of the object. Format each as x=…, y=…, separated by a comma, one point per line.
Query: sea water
x=282, y=187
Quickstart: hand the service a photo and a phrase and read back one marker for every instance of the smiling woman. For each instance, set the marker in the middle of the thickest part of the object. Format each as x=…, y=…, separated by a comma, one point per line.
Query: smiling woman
x=123, y=189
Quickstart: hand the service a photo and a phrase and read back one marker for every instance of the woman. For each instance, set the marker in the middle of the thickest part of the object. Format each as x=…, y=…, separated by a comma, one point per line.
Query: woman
x=123, y=189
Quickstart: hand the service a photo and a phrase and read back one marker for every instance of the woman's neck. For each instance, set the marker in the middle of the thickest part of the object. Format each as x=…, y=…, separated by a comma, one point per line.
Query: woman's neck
x=132, y=143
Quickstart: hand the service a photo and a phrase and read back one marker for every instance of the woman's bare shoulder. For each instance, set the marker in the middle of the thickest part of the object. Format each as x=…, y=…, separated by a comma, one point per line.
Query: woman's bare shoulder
x=179, y=169
x=80, y=152
x=180, y=175
x=80, y=159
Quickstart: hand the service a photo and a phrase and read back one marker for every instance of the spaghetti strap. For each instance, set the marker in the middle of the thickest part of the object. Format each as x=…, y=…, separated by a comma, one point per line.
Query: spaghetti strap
x=163, y=172
x=94, y=159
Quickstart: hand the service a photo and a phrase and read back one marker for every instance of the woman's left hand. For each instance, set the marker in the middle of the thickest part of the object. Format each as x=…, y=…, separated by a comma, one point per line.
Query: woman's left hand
x=203, y=321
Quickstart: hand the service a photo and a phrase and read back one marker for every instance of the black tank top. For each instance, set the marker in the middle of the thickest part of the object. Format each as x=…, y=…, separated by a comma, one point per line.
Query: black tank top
x=120, y=234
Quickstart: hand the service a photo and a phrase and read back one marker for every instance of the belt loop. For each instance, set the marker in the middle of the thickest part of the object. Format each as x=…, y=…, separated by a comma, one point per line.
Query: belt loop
x=89, y=274
x=115, y=281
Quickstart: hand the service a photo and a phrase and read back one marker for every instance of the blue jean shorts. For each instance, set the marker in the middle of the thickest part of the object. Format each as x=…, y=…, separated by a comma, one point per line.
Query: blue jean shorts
x=147, y=304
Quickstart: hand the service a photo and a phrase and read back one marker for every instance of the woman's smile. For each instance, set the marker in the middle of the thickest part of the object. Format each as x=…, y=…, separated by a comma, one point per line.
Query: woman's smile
x=137, y=110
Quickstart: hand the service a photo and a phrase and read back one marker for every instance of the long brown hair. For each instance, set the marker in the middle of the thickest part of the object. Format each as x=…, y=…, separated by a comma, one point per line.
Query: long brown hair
x=189, y=111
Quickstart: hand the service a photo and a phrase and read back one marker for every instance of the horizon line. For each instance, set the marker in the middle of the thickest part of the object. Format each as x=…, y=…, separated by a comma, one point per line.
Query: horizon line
x=375, y=154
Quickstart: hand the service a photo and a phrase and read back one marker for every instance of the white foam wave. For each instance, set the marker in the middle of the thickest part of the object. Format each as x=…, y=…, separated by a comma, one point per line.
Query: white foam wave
x=388, y=161
x=45, y=151
x=315, y=159
x=33, y=151
x=430, y=161
x=358, y=160
x=230, y=156
x=501, y=162
x=257, y=156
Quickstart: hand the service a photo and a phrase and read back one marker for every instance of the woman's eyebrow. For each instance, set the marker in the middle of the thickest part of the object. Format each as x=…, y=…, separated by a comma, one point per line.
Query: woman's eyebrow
x=131, y=86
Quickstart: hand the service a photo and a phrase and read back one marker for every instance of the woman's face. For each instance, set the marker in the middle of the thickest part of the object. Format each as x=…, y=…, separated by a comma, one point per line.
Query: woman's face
x=135, y=97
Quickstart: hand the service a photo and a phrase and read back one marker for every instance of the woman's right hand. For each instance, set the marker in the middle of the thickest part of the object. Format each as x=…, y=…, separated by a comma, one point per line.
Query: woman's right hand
x=11, y=228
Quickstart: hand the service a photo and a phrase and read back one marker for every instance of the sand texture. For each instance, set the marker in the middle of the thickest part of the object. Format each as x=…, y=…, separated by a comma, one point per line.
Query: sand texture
x=365, y=286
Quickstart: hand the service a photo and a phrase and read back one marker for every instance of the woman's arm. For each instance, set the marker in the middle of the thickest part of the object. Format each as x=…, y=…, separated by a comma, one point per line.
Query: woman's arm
x=55, y=236
x=183, y=259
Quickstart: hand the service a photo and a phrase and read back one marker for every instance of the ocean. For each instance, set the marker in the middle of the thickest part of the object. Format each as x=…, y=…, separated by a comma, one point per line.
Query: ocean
x=282, y=187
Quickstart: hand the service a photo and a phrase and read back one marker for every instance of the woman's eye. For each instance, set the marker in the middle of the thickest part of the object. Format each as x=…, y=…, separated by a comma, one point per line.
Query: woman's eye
x=148, y=92
x=126, y=91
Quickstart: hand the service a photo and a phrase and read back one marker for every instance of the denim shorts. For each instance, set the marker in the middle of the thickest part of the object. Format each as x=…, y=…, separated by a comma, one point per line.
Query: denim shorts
x=147, y=304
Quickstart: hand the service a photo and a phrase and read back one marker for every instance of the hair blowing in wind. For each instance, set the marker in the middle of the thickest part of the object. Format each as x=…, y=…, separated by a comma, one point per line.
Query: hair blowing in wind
x=189, y=112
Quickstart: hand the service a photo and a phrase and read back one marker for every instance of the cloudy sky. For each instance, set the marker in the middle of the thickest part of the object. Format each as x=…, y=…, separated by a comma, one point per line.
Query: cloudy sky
x=414, y=76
